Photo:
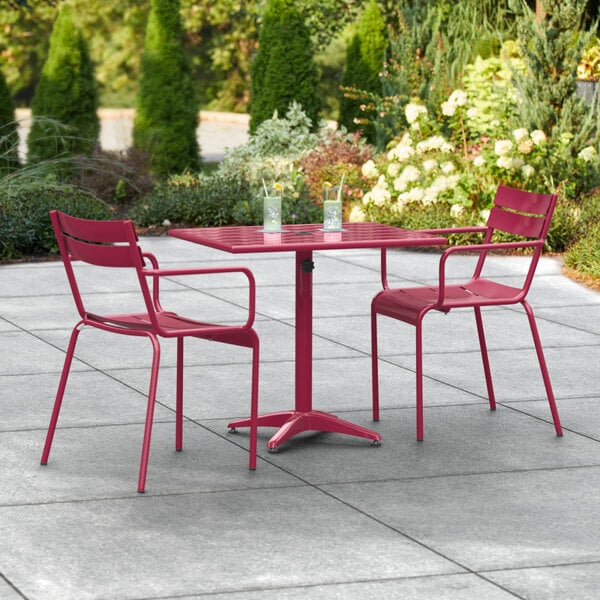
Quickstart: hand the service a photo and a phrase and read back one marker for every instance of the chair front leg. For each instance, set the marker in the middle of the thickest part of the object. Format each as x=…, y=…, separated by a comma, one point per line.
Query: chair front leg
x=149, y=413
x=179, y=397
x=254, y=404
x=419, y=375
x=484, y=357
x=543, y=367
x=374, y=366
x=60, y=392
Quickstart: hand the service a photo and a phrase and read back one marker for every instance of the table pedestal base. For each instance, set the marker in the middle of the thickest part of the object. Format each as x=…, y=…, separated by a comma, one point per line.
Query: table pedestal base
x=292, y=422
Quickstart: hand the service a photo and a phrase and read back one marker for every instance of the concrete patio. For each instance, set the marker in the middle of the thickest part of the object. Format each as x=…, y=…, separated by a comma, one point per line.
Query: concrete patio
x=492, y=505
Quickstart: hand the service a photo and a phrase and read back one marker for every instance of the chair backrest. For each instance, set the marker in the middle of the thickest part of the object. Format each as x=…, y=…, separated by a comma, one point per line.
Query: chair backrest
x=102, y=244
x=523, y=214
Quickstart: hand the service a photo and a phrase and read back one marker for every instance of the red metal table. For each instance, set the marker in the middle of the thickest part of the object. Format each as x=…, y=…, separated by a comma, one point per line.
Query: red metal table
x=303, y=240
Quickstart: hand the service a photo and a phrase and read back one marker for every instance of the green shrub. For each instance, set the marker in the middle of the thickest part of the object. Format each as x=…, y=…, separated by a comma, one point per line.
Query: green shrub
x=205, y=201
x=284, y=69
x=584, y=255
x=167, y=109
x=9, y=138
x=66, y=97
x=24, y=220
x=364, y=62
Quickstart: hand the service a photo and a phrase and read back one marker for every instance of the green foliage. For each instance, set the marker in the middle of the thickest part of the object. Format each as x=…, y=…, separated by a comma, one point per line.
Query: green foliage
x=66, y=93
x=272, y=152
x=364, y=62
x=284, y=69
x=9, y=138
x=584, y=255
x=205, y=201
x=167, y=110
x=24, y=221
x=551, y=50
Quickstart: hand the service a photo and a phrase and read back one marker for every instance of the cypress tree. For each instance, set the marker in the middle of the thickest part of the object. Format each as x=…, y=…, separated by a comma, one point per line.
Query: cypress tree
x=284, y=69
x=364, y=62
x=9, y=138
x=67, y=93
x=167, y=109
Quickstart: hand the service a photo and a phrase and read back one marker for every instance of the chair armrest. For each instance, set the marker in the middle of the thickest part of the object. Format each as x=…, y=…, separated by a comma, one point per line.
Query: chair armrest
x=477, y=248
x=450, y=230
x=155, y=273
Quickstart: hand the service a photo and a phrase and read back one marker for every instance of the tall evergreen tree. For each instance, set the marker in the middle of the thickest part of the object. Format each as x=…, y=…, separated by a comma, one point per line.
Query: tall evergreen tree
x=167, y=109
x=9, y=138
x=552, y=48
x=364, y=62
x=67, y=94
x=284, y=68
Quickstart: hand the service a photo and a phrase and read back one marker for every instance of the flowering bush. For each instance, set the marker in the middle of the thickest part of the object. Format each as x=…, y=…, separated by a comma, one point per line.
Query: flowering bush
x=460, y=161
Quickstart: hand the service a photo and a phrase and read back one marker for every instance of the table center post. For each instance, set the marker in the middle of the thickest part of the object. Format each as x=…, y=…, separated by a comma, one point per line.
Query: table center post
x=304, y=269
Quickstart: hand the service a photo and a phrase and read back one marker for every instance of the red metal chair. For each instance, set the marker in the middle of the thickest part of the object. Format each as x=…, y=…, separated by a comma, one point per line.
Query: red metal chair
x=516, y=212
x=115, y=244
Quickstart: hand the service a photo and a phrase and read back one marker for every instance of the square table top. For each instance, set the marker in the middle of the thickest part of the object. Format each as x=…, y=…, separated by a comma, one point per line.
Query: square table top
x=297, y=237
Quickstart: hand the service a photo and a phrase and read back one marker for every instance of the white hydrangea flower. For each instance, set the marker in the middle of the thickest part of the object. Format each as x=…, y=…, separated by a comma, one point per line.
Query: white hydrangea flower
x=452, y=181
x=369, y=169
x=527, y=171
x=393, y=169
x=456, y=210
x=505, y=162
x=401, y=152
x=430, y=196
x=520, y=134
x=410, y=173
x=458, y=97
x=448, y=167
x=448, y=109
x=379, y=195
x=429, y=165
x=538, y=137
x=484, y=215
x=447, y=148
x=413, y=111
x=357, y=214
x=503, y=147
x=399, y=184
x=472, y=113
x=416, y=194
x=479, y=161
x=588, y=154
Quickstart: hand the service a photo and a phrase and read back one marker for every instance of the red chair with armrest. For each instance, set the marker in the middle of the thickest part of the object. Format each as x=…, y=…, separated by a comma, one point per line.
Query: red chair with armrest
x=516, y=212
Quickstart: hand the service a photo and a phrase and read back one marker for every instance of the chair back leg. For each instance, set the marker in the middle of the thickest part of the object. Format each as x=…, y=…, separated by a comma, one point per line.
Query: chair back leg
x=149, y=413
x=543, y=367
x=179, y=397
x=485, y=359
x=60, y=393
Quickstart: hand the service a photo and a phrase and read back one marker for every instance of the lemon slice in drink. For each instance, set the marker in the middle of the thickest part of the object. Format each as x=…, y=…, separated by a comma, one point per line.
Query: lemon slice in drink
x=278, y=187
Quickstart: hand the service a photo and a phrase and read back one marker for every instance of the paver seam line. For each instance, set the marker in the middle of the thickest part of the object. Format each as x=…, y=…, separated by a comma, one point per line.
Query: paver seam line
x=307, y=587
x=12, y=586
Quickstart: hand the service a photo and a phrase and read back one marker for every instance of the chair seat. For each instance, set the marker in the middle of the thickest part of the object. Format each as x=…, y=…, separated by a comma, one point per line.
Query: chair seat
x=173, y=325
x=406, y=304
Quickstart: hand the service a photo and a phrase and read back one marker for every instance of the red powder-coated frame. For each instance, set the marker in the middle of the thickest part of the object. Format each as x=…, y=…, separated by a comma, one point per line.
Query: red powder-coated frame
x=516, y=212
x=303, y=240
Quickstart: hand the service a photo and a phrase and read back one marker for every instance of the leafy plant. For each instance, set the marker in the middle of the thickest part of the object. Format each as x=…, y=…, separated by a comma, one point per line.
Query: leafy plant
x=167, y=109
x=66, y=97
x=284, y=69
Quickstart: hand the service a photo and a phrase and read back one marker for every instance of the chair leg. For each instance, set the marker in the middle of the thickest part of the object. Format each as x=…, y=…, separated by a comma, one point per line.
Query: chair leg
x=149, y=414
x=485, y=359
x=374, y=366
x=543, y=367
x=419, y=375
x=179, y=397
x=254, y=404
x=60, y=392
